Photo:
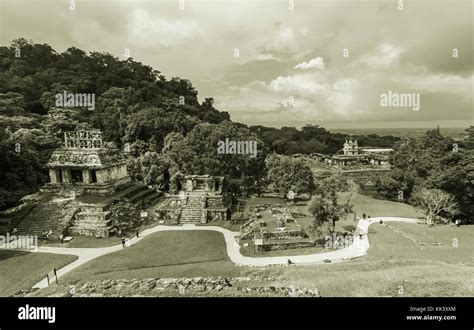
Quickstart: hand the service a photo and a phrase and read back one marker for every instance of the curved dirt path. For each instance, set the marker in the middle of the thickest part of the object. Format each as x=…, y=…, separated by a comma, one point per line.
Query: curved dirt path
x=357, y=249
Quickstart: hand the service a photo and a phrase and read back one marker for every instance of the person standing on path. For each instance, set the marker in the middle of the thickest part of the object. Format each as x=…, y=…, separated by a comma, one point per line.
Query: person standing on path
x=123, y=241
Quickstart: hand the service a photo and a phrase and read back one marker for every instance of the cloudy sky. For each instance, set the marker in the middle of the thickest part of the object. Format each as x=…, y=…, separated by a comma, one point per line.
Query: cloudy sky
x=318, y=62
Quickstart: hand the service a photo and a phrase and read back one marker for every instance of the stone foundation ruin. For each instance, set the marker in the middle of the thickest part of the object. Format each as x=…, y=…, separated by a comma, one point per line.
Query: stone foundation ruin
x=274, y=228
x=195, y=199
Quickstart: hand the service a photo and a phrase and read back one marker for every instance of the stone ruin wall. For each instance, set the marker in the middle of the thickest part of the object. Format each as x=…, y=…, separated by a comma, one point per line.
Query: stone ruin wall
x=283, y=235
x=275, y=245
x=91, y=220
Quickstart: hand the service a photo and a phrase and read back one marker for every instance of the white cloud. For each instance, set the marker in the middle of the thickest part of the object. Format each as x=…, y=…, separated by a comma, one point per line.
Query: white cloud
x=316, y=63
x=385, y=56
x=299, y=84
x=265, y=57
x=286, y=34
x=438, y=83
x=167, y=32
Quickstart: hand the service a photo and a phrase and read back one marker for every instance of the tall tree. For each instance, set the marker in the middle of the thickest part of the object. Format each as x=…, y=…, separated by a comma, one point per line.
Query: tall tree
x=435, y=202
x=287, y=173
x=325, y=206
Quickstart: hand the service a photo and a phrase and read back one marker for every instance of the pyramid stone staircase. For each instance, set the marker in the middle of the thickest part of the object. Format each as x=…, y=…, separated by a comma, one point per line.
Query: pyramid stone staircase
x=191, y=213
x=10, y=218
x=85, y=217
x=92, y=220
x=54, y=216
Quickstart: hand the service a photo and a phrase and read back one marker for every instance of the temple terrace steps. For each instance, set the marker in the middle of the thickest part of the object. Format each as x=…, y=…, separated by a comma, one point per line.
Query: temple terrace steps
x=192, y=211
x=92, y=220
x=190, y=216
x=54, y=216
x=136, y=189
x=140, y=195
x=10, y=219
x=153, y=198
x=85, y=215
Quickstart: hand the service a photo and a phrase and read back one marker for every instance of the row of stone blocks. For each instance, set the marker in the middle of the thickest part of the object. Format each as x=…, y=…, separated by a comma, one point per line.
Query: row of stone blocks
x=93, y=220
x=272, y=245
x=191, y=212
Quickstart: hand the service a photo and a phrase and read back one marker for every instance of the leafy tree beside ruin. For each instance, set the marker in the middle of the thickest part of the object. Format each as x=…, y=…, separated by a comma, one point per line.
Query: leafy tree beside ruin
x=151, y=169
x=197, y=153
x=289, y=174
x=325, y=205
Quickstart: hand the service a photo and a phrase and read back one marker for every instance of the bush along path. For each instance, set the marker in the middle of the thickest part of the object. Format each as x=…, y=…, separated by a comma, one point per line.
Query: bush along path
x=358, y=248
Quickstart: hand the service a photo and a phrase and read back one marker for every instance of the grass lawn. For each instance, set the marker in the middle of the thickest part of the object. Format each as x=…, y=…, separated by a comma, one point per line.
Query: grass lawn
x=22, y=270
x=402, y=247
x=163, y=254
x=401, y=258
x=84, y=242
x=316, y=166
x=377, y=207
x=393, y=262
x=93, y=242
x=249, y=202
x=361, y=204
x=224, y=224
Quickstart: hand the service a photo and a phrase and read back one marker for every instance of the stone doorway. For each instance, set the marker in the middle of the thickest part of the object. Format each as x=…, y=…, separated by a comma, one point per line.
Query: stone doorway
x=199, y=185
x=59, y=176
x=93, y=176
x=76, y=176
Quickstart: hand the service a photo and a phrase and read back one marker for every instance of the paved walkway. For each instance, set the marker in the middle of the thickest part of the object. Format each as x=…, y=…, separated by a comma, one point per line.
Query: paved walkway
x=357, y=249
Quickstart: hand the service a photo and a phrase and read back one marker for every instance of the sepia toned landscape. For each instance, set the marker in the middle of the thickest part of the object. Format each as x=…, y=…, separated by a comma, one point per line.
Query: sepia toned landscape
x=236, y=149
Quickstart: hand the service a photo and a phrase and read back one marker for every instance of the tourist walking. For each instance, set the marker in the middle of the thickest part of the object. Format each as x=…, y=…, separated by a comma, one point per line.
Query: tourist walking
x=61, y=238
x=123, y=241
x=138, y=233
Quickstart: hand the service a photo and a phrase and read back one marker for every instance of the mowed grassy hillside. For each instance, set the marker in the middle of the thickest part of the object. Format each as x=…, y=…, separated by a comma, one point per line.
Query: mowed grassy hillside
x=21, y=270
x=395, y=265
x=379, y=208
x=163, y=254
x=404, y=259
